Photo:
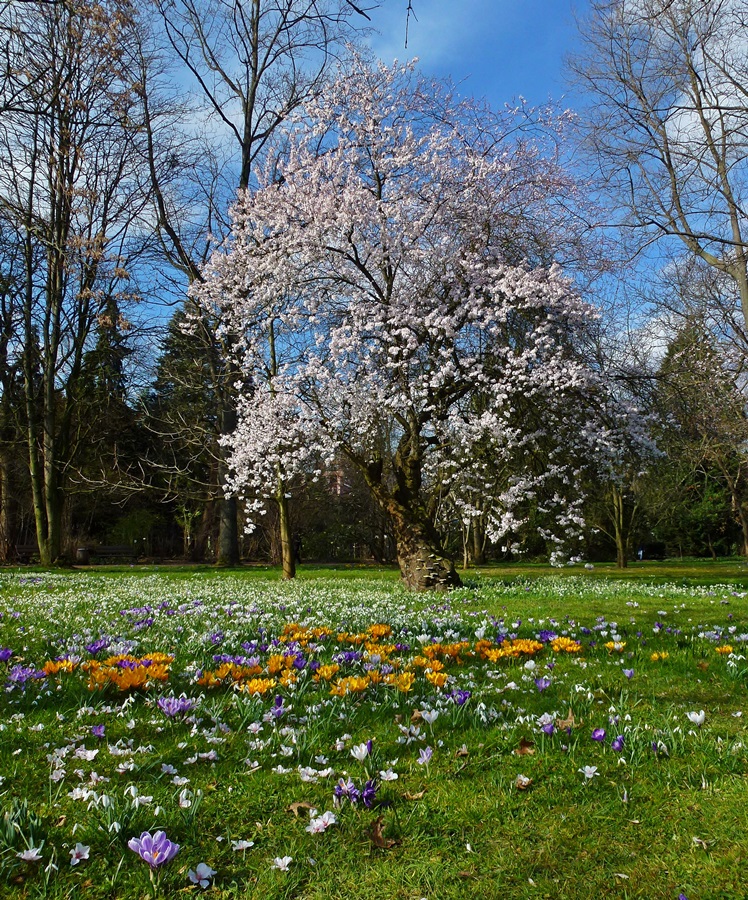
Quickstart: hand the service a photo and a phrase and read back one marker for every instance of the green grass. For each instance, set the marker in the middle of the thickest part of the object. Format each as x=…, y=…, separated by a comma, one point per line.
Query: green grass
x=651, y=823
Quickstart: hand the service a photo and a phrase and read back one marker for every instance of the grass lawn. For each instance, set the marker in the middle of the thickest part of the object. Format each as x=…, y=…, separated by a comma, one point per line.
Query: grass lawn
x=527, y=736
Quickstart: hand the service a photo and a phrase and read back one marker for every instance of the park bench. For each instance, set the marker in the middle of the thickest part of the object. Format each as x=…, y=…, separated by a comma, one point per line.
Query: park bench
x=102, y=553
x=25, y=553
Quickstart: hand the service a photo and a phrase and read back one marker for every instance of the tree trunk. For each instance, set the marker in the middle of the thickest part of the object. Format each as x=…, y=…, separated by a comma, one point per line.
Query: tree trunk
x=422, y=562
x=288, y=555
x=228, y=528
x=479, y=542
x=8, y=512
x=743, y=519
x=619, y=527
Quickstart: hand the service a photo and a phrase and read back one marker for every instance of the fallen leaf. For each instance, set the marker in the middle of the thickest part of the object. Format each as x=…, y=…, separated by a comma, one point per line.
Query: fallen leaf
x=377, y=838
x=466, y=874
x=300, y=804
x=463, y=751
x=416, y=716
x=526, y=748
x=568, y=722
x=702, y=664
x=700, y=842
x=620, y=875
x=61, y=821
x=522, y=782
x=418, y=796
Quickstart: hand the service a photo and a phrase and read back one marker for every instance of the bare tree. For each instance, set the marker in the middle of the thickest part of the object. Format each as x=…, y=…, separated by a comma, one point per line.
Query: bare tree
x=69, y=202
x=668, y=121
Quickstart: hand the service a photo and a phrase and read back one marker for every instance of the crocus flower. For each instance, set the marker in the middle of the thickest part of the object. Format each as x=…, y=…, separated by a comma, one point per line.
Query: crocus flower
x=618, y=743
x=318, y=824
x=697, y=717
x=598, y=734
x=369, y=793
x=154, y=849
x=361, y=751
x=425, y=756
x=201, y=875
x=346, y=789
x=629, y=673
x=32, y=854
x=542, y=683
x=172, y=707
x=282, y=863
x=278, y=710
x=588, y=772
x=459, y=696
x=241, y=845
x=79, y=852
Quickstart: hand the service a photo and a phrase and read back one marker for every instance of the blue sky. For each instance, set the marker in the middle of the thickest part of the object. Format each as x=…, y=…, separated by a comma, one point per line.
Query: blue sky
x=497, y=49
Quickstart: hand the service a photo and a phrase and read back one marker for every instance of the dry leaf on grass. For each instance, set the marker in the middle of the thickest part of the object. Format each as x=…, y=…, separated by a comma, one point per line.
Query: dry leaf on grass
x=463, y=751
x=568, y=722
x=377, y=838
x=300, y=804
x=418, y=796
x=526, y=748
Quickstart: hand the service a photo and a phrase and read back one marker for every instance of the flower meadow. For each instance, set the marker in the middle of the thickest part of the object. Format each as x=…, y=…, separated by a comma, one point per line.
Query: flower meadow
x=238, y=737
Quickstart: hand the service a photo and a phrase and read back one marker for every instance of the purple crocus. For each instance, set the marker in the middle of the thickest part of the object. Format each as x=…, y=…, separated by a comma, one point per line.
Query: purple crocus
x=155, y=849
x=97, y=731
x=5, y=654
x=548, y=728
x=278, y=709
x=629, y=673
x=457, y=695
x=617, y=743
x=97, y=646
x=598, y=734
x=425, y=756
x=369, y=793
x=542, y=683
x=172, y=707
x=346, y=790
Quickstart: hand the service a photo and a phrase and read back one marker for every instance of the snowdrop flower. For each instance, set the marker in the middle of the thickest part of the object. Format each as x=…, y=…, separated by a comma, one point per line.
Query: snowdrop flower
x=697, y=717
x=281, y=863
x=201, y=875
